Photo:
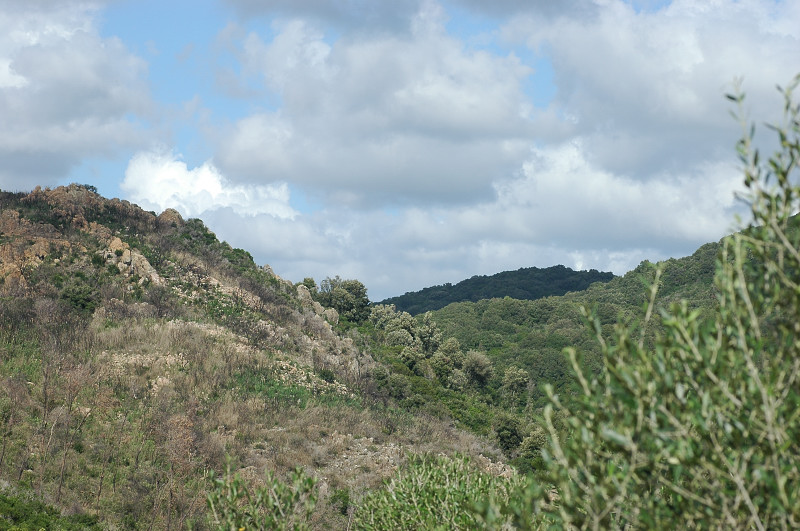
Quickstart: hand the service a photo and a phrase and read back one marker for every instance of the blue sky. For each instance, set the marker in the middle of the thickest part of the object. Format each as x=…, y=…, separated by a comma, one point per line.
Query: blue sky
x=403, y=143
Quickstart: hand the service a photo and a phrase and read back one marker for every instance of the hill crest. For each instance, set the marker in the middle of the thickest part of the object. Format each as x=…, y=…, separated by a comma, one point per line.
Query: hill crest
x=528, y=283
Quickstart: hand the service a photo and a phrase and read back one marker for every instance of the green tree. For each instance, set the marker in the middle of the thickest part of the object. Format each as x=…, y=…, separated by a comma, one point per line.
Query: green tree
x=428, y=334
x=478, y=368
x=508, y=430
x=348, y=297
x=515, y=384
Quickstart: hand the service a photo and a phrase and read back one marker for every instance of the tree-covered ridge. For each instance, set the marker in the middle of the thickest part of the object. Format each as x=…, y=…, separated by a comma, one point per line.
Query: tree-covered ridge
x=527, y=283
x=532, y=334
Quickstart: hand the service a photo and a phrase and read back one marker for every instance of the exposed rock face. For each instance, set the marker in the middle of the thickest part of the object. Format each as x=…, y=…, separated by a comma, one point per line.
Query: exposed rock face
x=331, y=315
x=23, y=245
x=131, y=262
x=305, y=297
x=169, y=218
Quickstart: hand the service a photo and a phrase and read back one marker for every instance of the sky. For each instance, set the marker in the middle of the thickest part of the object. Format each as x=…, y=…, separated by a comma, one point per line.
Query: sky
x=403, y=143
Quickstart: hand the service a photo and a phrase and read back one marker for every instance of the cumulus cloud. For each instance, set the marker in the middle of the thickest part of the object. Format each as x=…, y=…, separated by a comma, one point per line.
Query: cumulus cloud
x=65, y=92
x=421, y=150
x=161, y=180
x=646, y=88
x=560, y=209
x=384, y=119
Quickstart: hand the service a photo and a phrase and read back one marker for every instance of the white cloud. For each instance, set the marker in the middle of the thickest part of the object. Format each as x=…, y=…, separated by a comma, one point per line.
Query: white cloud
x=422, y=153
x=633, y=160
x=382, y=119
x=560, y=209
x=160, y=180
x=65, y=92
x=647, y=88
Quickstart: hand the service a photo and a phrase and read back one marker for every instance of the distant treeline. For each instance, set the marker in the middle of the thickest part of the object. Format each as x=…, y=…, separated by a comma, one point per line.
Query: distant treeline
x=527, y=283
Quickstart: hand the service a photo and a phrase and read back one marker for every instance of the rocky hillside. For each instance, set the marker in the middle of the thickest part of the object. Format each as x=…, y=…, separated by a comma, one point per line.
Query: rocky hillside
x=138, y=353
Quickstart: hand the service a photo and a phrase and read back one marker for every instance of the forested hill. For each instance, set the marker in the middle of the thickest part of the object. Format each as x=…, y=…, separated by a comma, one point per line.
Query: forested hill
x=527, y=283
x=532, y=334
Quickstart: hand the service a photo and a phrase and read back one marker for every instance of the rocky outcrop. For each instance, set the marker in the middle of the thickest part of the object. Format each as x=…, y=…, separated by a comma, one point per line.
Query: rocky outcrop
x=130, y=262
x=24, y=245
x=169, y=218
x=308, y=303
x=304, y=296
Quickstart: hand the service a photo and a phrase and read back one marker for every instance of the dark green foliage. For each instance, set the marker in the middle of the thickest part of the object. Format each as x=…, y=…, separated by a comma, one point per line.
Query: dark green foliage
x=532, y=334
x=240, y=259
x=341, y=499
x=197, y=235
x=327, y=375
x=80, y=296
x=23, y=514
x=527, y=283
x=348, y=297
x=508, y=430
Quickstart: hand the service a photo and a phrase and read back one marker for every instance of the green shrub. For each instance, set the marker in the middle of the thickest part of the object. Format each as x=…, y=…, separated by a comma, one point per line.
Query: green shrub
x=431, y=493
x=81, y=296
x=21, y=514
x=276, y=505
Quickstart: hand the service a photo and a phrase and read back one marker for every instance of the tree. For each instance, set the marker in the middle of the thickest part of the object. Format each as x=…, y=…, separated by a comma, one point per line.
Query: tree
x=478, y=368
x=515, y=384
x=429, y=334
x=509, y=432
x=348, y=297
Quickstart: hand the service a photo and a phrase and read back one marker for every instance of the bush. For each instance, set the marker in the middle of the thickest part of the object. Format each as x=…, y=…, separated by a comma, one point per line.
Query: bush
x=478, y=368
x=17, y=512
x=276, y=505
x=508, y=430
x=431, y=493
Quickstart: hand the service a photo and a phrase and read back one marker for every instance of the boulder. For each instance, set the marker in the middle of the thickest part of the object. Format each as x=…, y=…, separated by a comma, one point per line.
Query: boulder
x=169, y=218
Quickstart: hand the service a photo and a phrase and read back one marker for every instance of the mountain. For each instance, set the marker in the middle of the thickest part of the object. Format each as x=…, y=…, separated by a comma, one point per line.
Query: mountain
x=528, y=283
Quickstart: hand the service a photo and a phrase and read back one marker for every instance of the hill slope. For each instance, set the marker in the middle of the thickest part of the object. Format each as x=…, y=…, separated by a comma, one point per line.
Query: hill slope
x=137, y=352
x=527, y=283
